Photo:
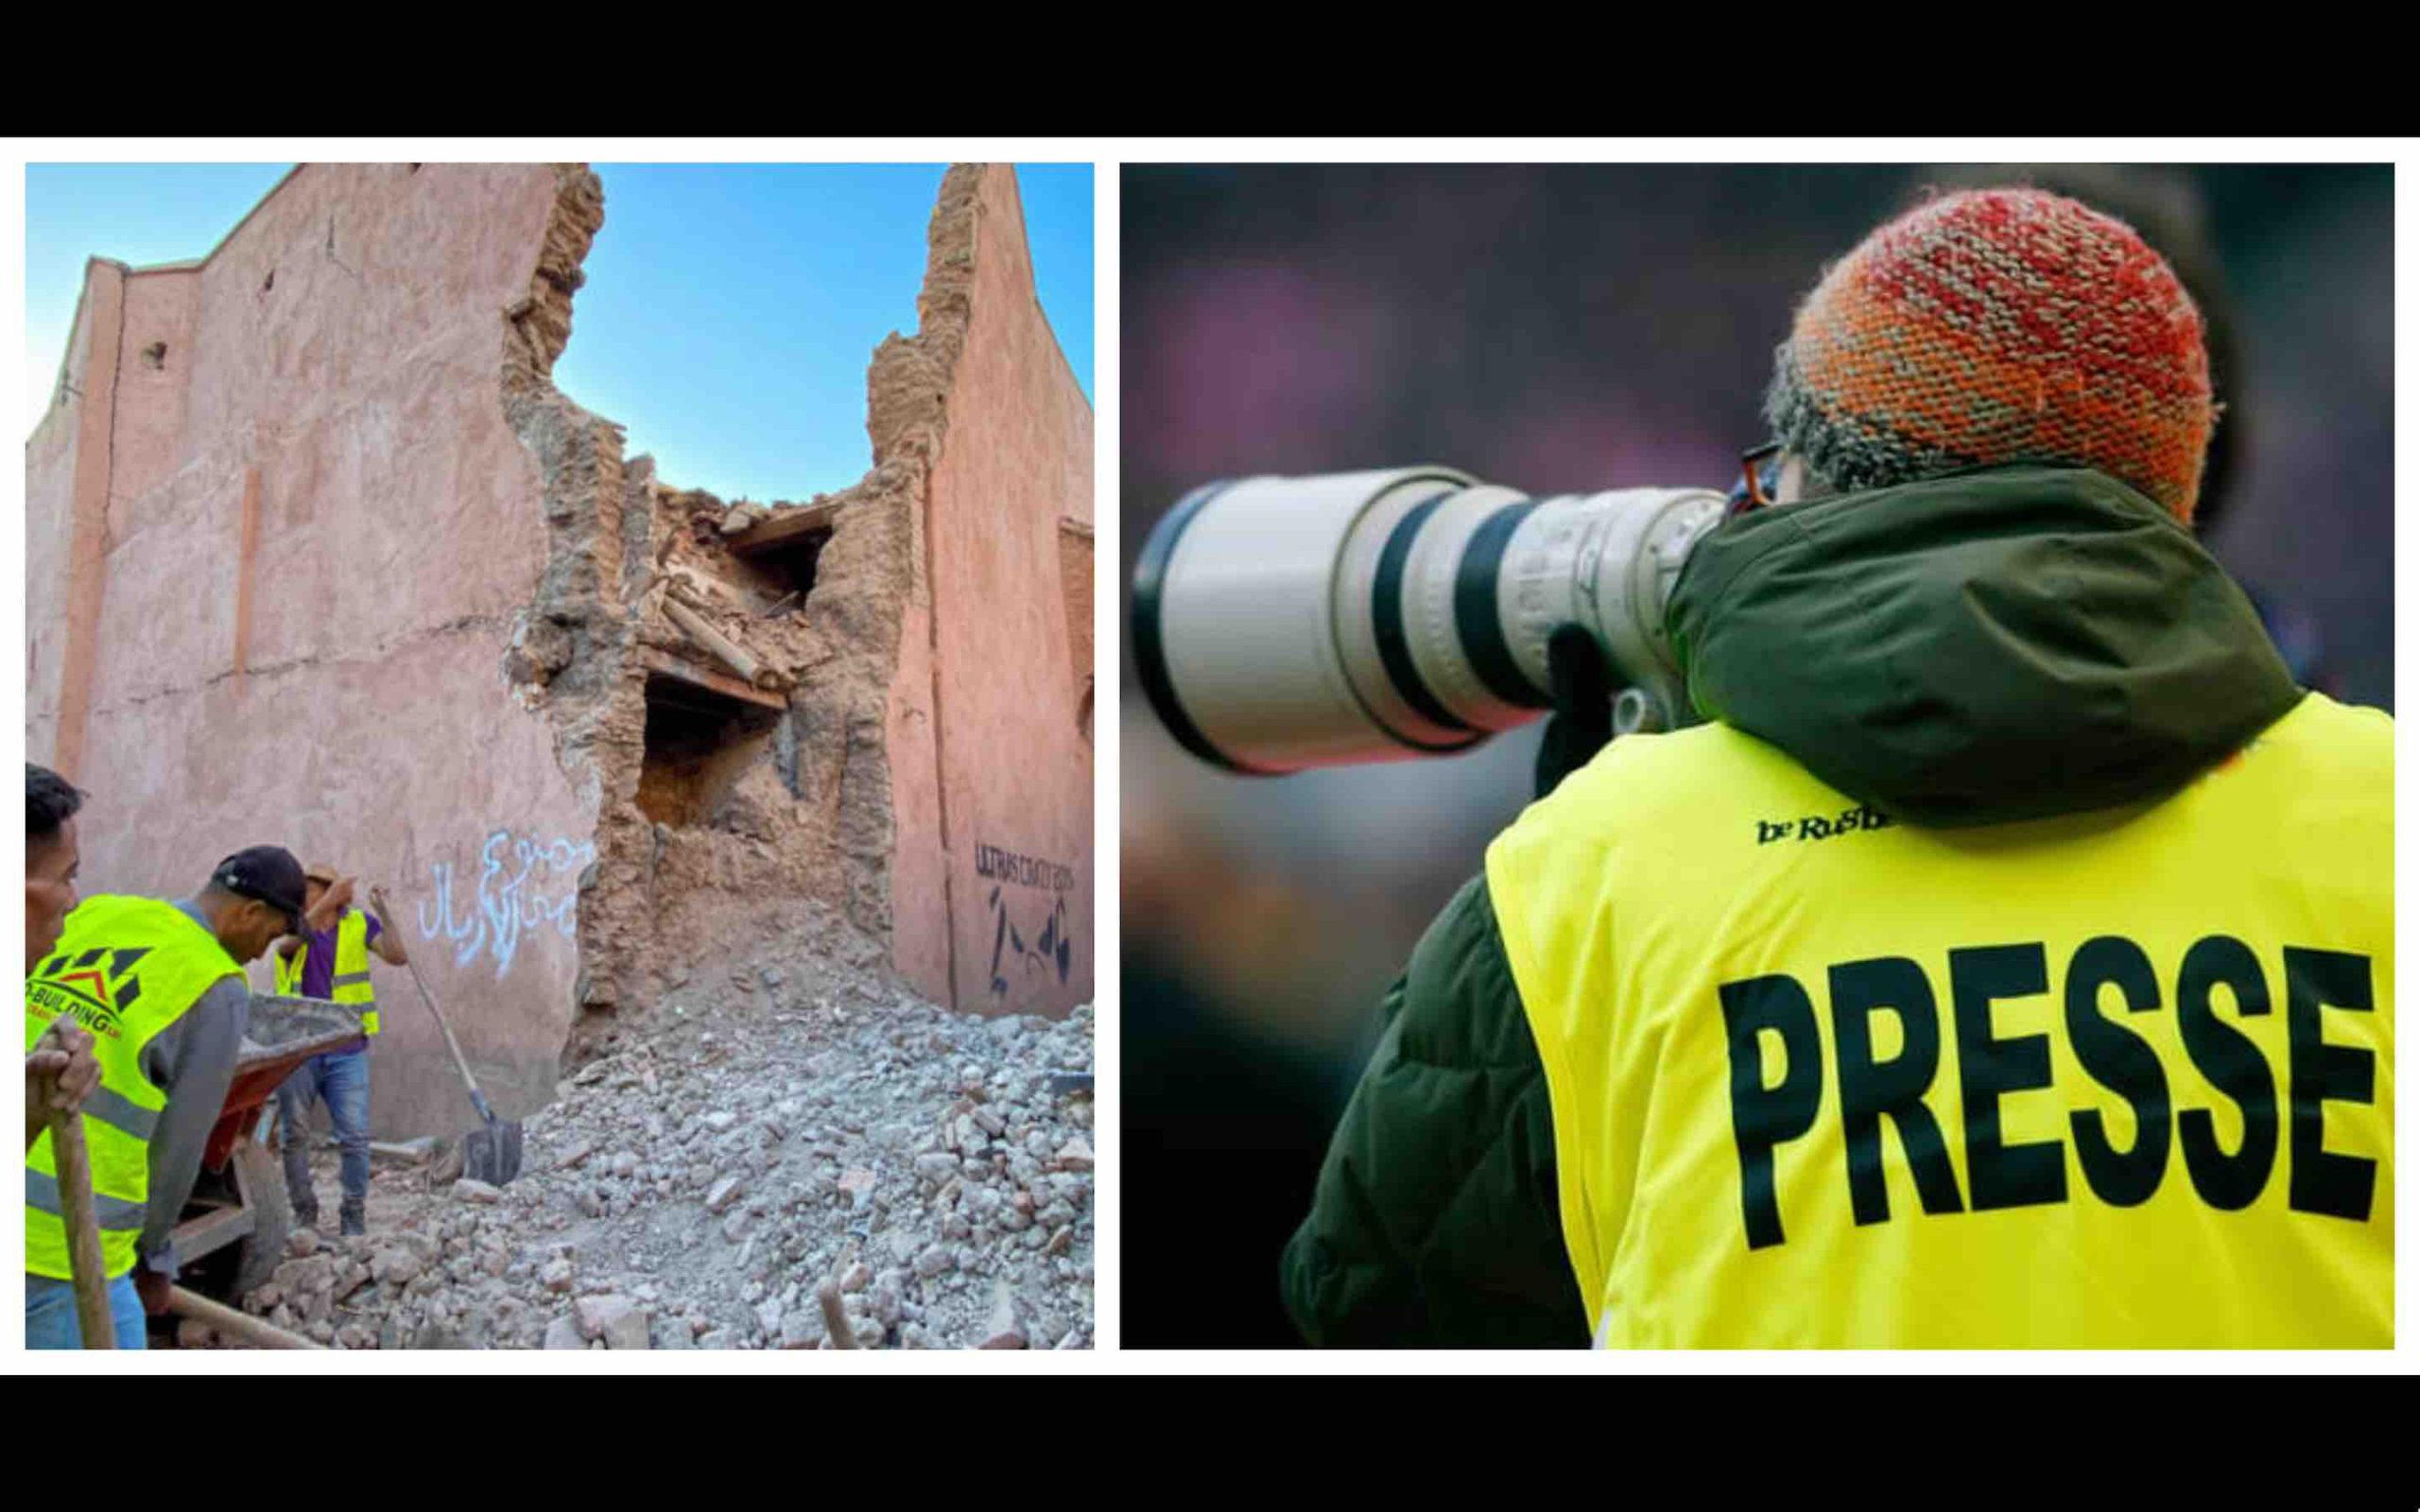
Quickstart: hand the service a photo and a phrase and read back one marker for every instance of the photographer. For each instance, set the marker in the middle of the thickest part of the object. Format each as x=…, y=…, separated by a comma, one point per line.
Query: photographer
x=2008, y=962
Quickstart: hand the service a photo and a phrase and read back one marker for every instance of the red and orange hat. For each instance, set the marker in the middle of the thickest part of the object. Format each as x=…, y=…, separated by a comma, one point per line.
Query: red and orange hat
x=1999, y=325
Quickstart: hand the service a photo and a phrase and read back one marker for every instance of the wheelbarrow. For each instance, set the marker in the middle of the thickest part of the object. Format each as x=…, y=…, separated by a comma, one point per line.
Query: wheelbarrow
x=233, y=1229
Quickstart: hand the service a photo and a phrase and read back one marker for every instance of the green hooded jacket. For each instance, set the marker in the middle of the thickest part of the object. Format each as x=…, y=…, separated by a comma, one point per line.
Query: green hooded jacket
x=1986, y=645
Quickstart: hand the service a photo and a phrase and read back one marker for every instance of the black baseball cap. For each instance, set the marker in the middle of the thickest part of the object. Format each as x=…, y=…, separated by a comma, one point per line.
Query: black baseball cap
x=268, y=873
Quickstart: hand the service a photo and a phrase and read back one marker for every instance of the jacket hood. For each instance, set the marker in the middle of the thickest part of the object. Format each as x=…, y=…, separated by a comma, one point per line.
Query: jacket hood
x=1990, y=645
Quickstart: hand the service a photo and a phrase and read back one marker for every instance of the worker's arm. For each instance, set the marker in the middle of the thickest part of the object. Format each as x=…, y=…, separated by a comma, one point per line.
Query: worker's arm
x=322, y=915
x=42, y=1070
x=384, y=940
x=1435, y=1222
x=192, y=1060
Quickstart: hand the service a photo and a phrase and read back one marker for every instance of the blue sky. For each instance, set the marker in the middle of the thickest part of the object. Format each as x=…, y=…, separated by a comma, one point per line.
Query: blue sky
x=729, y=309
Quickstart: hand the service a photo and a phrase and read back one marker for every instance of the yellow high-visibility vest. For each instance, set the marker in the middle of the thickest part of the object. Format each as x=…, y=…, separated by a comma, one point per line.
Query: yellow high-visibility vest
x=350, y=983
x=2121, y=1079
x=125, y=969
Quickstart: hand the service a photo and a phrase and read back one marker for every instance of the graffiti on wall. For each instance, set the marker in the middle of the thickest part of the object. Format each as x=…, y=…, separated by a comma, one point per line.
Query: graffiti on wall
x=524, y=883
x=1049, y=949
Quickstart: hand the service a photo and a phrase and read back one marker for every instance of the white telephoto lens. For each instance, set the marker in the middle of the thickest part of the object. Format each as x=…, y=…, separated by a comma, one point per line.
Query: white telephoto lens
x=1286, y=623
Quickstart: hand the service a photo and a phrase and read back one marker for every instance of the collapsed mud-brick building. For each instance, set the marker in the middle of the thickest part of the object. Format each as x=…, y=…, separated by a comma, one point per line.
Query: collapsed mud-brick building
x=317, y=555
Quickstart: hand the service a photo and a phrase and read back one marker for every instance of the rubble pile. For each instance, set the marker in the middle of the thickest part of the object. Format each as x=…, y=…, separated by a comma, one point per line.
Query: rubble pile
x=694, y=1186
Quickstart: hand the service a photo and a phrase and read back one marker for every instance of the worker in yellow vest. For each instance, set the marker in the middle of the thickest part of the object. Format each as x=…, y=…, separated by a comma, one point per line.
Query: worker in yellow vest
x=332, y=962
x=2007, y=961
x=60, y=1069
x=160, y=986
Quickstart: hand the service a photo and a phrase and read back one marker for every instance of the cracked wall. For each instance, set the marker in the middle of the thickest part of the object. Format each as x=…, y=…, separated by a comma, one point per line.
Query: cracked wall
x=317, y=555
x=992, y=886
x=267, y=603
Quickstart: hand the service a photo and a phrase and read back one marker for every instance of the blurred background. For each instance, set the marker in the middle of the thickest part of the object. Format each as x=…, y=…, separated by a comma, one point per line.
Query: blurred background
x=1556, y=329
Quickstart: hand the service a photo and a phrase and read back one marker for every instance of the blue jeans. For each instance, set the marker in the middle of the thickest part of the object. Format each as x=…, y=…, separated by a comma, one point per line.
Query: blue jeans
x=341, y=1081
x=50, y=1313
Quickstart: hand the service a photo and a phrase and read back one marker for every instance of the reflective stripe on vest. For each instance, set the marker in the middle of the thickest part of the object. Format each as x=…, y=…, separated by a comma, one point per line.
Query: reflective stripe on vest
x=124, y=969
x=351, y=981
x=2113, y=1081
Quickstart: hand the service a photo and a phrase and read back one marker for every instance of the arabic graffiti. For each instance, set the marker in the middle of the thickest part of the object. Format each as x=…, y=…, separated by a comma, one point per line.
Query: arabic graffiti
x=525, y=883
x=1050, y=949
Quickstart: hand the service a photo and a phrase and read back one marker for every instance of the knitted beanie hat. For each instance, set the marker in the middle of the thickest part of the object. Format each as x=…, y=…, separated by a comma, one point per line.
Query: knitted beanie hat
x=1999, y=325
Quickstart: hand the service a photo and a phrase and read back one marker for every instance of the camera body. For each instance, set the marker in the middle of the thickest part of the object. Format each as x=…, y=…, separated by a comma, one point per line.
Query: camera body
x=1287, y=622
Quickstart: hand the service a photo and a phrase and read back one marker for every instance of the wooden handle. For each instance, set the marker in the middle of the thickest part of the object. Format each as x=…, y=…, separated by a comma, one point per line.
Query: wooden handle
x=233, y=1324
x=411, y=964
x=84, y=1265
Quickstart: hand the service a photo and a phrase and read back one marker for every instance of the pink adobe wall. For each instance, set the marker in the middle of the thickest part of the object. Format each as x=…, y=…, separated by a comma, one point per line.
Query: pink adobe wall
x=919, y=868
x=50, y=511
x=74, y=439
x=1014, y=765
x=399, y=527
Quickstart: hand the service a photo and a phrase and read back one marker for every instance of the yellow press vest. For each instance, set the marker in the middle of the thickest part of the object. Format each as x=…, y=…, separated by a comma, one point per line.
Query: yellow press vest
x=126, y=969
x=2121, y=1079
x=350, y=983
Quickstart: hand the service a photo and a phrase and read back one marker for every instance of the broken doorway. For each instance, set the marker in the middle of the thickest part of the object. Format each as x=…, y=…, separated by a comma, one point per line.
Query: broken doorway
x=703, y=732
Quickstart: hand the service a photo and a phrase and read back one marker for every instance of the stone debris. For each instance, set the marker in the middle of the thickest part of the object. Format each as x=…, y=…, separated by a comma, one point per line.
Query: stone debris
x=409, y=1152
x=617, y=1320
x=700, y=1178
x=1003, y=1331
x=743, y=516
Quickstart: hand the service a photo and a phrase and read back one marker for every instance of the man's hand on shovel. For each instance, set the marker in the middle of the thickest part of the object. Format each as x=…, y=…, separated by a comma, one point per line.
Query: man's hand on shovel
x=390, y=945
x=60, y=1074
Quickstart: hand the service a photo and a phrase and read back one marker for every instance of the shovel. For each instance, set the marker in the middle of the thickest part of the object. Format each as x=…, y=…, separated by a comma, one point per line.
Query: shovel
x=492, y=1153
x=84, y=1265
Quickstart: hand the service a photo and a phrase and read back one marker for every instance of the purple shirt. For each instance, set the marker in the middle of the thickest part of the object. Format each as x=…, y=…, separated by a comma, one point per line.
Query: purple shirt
x=319, y=961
